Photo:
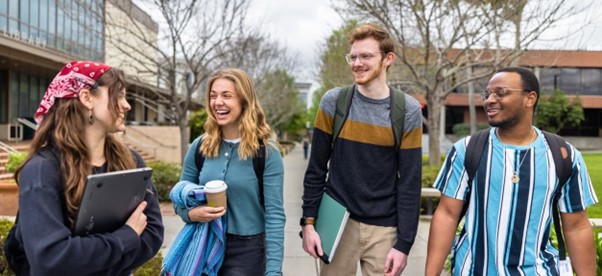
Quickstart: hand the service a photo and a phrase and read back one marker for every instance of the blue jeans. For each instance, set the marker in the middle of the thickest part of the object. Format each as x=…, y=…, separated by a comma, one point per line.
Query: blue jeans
x=245, y=255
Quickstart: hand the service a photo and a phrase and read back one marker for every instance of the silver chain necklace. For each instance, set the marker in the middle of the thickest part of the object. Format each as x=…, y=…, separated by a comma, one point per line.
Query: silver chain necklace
x=515, y=177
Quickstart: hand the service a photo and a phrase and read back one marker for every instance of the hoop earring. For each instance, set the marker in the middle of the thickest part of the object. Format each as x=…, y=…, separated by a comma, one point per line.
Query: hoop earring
x=91, y=118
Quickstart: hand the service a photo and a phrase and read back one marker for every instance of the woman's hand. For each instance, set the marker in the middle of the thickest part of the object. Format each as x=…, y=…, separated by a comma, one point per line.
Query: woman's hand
x=205, y=213
x=138, y=219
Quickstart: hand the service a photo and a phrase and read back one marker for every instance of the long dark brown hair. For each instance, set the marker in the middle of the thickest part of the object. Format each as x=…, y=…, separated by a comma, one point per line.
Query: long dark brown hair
x=62, y=129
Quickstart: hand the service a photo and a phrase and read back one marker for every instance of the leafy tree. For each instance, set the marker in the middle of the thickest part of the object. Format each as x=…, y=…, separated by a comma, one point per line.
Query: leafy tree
x=441, y=42
x=556, y=111
x=333, y=69
x=196, y=121
x=279, y=98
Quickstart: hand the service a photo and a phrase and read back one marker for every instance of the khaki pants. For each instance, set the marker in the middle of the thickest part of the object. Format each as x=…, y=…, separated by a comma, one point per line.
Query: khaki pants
x=363, y=243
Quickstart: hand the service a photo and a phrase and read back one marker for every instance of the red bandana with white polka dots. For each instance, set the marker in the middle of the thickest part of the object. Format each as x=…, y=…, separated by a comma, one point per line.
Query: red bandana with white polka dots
x=74, y=77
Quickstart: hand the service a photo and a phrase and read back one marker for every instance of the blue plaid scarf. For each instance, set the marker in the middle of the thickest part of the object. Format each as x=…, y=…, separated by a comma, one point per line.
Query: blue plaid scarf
x=199, y=247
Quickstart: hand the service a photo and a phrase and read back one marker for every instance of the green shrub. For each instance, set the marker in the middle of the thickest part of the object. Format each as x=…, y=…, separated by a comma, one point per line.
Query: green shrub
x=463, y=129
x=165, y=176
x=15, y=159
x=5, y=226
x=598, y=246
x=151, y=268
x=429, y=175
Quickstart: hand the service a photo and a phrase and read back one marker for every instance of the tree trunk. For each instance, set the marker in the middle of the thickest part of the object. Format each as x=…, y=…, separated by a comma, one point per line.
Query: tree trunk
x=434, y=112
x=183, y=125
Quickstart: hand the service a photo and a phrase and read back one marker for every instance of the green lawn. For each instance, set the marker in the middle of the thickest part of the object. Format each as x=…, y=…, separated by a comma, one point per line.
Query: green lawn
x=593, y=162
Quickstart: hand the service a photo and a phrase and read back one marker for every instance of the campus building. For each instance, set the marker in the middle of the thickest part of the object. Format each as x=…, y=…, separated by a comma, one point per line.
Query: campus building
x=38, y=37
x=576, y=73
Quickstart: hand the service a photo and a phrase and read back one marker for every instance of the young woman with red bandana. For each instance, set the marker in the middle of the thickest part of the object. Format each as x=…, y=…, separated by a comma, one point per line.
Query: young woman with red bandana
x=82, y=109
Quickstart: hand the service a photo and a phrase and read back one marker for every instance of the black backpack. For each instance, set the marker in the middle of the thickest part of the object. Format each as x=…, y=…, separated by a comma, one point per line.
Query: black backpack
x=258, y=166
x=476, y=147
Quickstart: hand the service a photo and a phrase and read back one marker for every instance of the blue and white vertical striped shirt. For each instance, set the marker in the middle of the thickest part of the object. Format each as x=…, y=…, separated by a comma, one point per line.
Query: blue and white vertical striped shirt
x=508, y=224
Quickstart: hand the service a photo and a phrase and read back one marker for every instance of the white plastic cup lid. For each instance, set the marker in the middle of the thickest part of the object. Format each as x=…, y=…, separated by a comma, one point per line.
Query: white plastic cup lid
x=215, y=186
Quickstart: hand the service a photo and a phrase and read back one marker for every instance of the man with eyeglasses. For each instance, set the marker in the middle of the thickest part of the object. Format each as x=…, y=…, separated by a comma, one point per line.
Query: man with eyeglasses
x=508, y=220
x=360, y=170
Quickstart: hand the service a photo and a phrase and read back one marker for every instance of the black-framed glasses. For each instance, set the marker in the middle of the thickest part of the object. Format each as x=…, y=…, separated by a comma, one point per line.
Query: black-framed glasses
x=499, y=92
x=363, y=57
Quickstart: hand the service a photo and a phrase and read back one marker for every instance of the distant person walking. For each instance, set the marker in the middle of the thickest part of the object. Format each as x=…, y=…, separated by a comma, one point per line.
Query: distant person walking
x=305, y=147
x=366, y=170
x=510, y=200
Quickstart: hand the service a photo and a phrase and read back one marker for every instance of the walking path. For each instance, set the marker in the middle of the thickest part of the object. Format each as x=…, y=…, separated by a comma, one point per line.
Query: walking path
x=296, y=261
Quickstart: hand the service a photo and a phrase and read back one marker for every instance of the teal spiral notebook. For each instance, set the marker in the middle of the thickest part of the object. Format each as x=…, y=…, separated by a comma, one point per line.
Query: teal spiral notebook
x=330, y=223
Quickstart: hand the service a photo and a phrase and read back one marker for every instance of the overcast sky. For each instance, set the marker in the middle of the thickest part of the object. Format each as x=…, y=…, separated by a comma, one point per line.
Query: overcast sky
x=301, y=26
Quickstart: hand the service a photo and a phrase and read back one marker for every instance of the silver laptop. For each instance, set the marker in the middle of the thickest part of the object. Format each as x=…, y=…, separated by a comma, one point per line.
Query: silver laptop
x=109, y=199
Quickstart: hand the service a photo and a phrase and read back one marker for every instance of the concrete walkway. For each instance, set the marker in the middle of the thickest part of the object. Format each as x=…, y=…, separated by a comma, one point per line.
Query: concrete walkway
x=296, y=261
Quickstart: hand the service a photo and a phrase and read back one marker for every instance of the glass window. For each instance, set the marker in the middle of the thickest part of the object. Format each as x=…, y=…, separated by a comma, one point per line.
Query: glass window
x=570, y=81
x=33, y=96
x=4, y=96
x=4, y=7
x=3, y=22
x=549, y=79
x=590, y=82
x=13, y=8
x=34, y=13
x=51, y=12
x=23, y=95
x=43, y=15
x=14, y=95
x=24, y=19
x=60, y=29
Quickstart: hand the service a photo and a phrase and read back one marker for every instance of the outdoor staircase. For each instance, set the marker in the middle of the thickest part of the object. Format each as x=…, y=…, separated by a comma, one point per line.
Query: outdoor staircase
x=145, y=154
x=23, y=146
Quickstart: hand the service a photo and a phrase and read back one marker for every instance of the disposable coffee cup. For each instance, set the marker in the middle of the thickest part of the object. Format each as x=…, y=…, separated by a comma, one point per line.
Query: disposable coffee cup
x=215, y=191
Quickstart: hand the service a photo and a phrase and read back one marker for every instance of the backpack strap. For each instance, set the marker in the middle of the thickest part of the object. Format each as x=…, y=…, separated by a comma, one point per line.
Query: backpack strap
x=398, y=112
x=564, y=168
x=474, y=151
x=342, y=111
x=258, y=166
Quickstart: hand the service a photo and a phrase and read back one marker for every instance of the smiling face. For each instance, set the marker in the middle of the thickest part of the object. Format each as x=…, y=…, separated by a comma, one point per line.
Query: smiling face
x=512, y=108
x=104, y=115
x=374, y=63
x=226, y=107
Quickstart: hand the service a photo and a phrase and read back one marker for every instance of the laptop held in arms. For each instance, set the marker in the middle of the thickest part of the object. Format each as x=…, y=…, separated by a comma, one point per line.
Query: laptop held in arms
x=109, y=199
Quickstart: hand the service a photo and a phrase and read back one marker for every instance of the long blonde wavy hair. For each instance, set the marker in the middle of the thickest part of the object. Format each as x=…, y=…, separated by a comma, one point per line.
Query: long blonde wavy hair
x=63, y=128
x=251, y=123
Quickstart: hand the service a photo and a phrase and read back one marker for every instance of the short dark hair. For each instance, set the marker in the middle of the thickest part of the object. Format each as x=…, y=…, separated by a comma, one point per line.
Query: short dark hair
x=529, y=81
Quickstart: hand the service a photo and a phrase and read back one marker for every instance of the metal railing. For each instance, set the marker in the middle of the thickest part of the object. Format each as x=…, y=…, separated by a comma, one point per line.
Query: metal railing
x=150, y=138
x=6, y=148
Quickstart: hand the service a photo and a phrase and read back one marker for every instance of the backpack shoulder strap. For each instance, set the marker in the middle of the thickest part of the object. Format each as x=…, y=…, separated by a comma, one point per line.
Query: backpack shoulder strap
x=199, y=159
x=342, y=111
x=398, y=112
x=562, y=160
x=259, y=168
x=474, y=151
x=561, y=153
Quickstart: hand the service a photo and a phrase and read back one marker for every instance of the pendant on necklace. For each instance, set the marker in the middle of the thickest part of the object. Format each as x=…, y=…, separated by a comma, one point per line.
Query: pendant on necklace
x=515, y=178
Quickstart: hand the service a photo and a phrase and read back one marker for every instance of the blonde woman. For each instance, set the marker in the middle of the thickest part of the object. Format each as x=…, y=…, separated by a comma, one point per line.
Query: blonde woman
x=235, y=129
x=82, y=108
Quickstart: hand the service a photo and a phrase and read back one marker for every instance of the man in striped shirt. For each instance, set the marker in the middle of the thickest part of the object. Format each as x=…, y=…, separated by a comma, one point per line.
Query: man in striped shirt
x=509, y=215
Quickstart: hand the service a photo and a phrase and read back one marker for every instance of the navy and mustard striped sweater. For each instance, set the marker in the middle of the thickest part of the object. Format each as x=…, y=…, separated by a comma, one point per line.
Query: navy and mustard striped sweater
x=360, y=171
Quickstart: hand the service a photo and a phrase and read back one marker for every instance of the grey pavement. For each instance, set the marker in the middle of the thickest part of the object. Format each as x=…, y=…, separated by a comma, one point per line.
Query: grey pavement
x=296, y=261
